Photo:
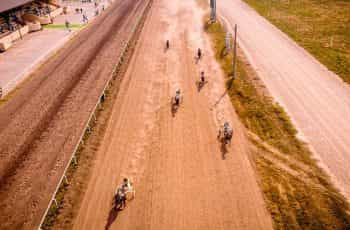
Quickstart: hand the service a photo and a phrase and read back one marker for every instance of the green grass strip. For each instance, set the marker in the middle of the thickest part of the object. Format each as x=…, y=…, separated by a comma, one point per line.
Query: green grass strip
x=63, y=26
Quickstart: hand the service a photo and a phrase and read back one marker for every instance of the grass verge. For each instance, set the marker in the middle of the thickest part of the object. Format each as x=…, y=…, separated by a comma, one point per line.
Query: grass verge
x=62, y=26
x=321, y=27
x=298, y=193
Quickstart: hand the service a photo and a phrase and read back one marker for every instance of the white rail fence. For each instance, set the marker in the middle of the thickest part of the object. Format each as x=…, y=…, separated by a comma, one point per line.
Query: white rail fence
x=92, y=116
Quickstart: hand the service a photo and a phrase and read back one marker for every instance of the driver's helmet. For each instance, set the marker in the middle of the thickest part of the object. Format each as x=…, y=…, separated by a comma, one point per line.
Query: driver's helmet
x=125, y=182
x=226, y=124
x=178, y=91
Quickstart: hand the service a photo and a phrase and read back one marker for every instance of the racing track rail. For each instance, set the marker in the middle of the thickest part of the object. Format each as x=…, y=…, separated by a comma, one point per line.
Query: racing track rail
x=92, y=115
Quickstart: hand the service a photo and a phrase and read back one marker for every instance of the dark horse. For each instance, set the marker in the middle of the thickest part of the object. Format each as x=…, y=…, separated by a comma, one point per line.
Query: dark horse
x=225, y=136
x=119, y=200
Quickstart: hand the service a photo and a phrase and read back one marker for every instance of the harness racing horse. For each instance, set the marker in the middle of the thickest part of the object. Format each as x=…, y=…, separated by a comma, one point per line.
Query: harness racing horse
x=167, y=44
x=202, y=81
x=124, y=193
x=119, y=200
x=225, y=135
x=175, y=103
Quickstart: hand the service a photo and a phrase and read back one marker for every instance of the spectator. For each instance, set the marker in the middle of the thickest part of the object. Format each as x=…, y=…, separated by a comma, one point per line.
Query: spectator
x=85, y=18
x=67, y=25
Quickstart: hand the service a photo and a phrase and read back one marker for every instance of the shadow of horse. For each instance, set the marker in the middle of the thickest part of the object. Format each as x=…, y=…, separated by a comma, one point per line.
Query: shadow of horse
x=166, y=49
x=219, y=99
x=223, y=149
x=197, y=58
x=200, y=85
x=173, y=108
x=223, y=52
x=223, y=145
x=112, y=216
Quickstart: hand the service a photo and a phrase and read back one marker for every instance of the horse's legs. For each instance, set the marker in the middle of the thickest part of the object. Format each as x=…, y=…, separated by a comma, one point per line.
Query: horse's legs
x=124, y=202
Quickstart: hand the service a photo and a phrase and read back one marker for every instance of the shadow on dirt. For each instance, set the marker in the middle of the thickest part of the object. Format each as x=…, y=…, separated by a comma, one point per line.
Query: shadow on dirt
x=200, y=85
x=112, y=216
x=166, y=49
x=223, y=145
x=223, y=52
x=219, y=100
x=197, y=59
x=223, y=149
x=173, y=107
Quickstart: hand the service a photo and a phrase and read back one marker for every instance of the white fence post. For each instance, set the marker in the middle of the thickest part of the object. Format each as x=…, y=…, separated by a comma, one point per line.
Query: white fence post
x=66, y=179
x=54, y=199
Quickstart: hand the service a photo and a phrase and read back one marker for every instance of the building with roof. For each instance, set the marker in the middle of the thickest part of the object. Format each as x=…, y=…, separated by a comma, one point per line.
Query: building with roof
x=18, y=17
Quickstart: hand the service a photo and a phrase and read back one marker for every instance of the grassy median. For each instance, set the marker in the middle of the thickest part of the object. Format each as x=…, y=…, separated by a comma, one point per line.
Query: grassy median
x=297, y=192
x=321, y=27
x=63, y=26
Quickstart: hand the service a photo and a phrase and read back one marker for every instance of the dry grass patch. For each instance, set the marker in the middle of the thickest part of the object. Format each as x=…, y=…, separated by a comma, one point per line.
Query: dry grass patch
x=297, y=192
x=322, y=27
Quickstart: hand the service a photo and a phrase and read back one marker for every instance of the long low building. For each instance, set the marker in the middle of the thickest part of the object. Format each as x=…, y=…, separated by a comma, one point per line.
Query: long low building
x=18, y=17
x=11, y=4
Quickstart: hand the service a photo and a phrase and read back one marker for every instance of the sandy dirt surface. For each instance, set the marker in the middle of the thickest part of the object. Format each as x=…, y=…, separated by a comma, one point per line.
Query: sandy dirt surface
x=315, y=98
x=42, y=123
x=182, y=176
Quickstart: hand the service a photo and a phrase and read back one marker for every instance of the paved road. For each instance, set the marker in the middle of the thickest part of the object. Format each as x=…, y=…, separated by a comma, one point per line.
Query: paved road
x=316, y=99
x=183, y=179
x=42, y=122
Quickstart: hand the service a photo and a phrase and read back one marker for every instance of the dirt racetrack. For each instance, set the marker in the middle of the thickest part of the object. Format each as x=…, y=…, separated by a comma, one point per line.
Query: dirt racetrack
x=42, y=122
x=184, y=179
